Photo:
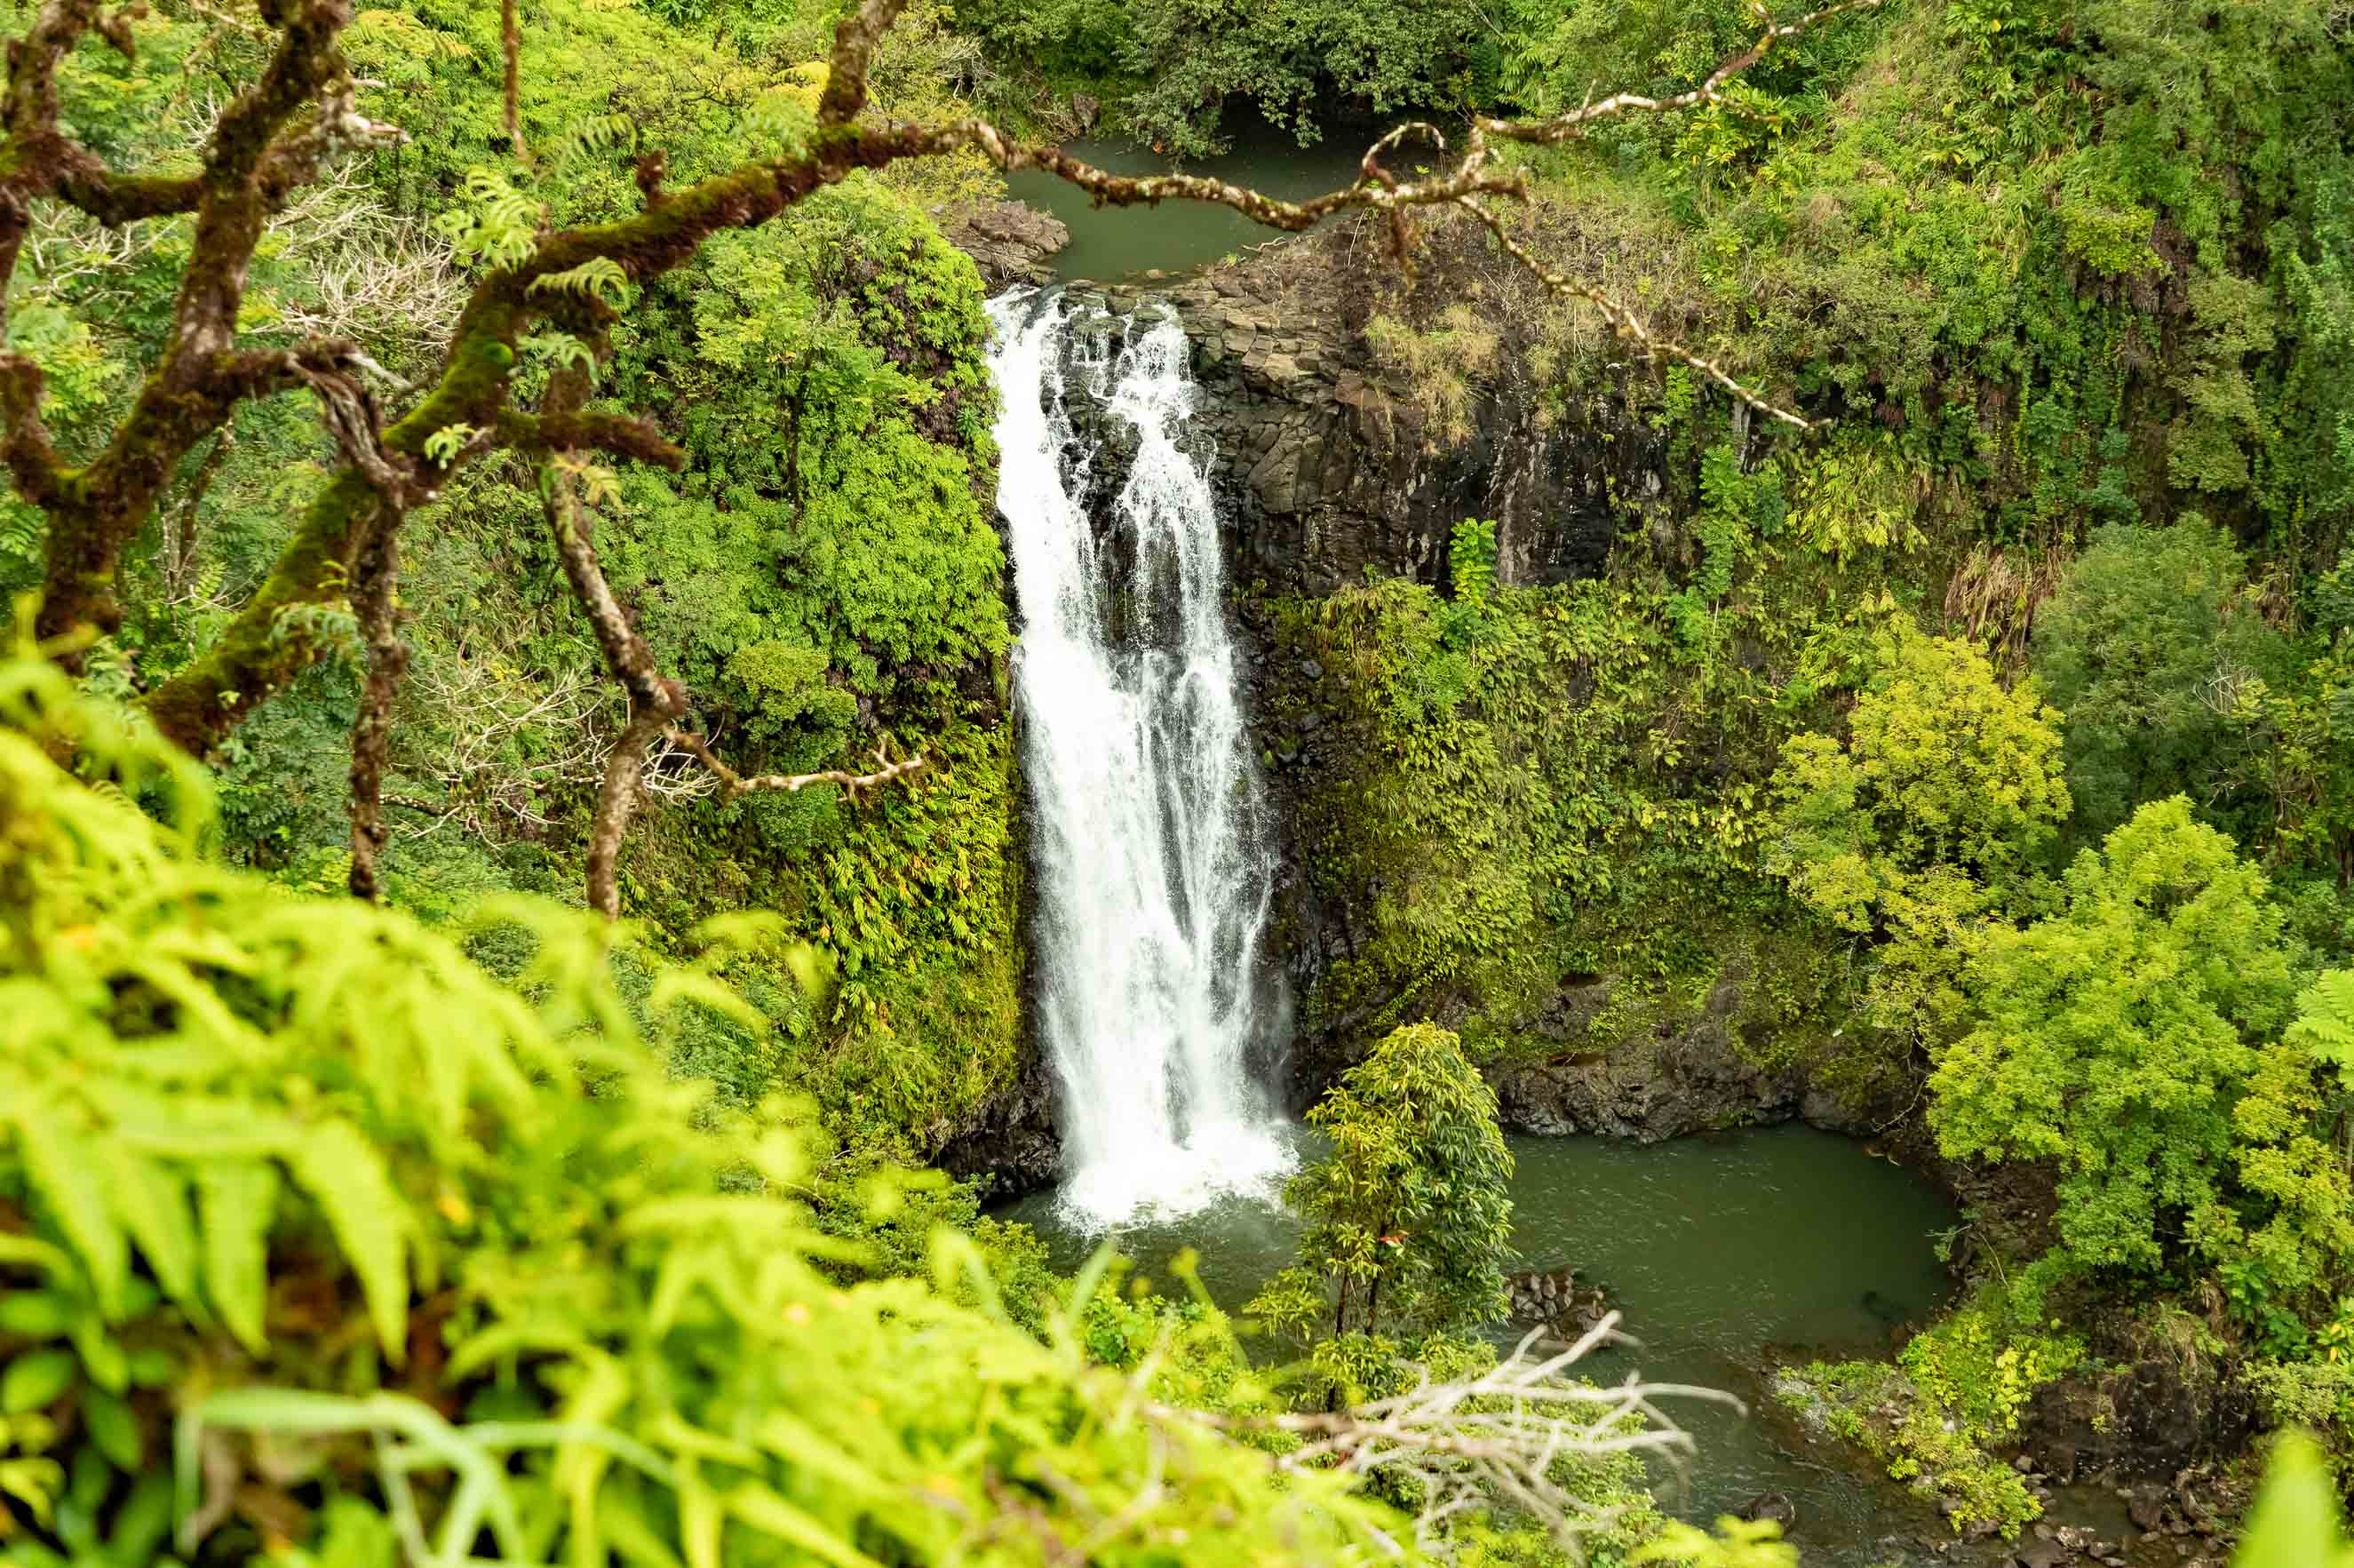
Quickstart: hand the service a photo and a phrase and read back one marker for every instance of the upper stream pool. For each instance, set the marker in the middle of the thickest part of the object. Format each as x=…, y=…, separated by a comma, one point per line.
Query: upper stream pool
x=1714, y=1249
x=1110, y=244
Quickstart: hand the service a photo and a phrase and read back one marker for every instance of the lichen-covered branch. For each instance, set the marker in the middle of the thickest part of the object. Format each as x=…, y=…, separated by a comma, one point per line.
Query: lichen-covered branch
x=511, y=74
x=247, y=169
x=855, y=41
x=375, y=586
x=732, y=783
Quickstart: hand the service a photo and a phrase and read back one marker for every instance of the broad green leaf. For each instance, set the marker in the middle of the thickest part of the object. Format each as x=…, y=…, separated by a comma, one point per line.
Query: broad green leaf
x=621, y=1518
x=701, y=1519
x=580, y=1466
x=101, y=1355
x=70, y=1180
x=35, y=1483
x=144, y=1519
x=354, y=1535
x=238, y=1199
x=36, y=1314
x=2294, y=1524
x=344, y=1175
x=798, y=1442
x=34, y=1379
x=113, y=1428
x=152, y=1202
x=765, y=1511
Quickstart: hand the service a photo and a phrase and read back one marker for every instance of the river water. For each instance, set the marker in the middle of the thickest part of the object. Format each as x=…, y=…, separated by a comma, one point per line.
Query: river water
x=1717, y=1250
x=1112, y=244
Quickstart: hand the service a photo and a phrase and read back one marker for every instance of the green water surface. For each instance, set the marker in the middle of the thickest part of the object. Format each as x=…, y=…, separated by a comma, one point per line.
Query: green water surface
x=1715, y=1249
x=1112, y=244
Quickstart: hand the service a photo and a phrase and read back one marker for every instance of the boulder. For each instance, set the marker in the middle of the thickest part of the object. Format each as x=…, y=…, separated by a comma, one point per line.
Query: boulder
x=1553, y=1298
x=1009, y=241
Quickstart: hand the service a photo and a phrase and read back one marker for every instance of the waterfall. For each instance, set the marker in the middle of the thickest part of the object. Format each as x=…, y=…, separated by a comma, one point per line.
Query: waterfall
x=1147, y=828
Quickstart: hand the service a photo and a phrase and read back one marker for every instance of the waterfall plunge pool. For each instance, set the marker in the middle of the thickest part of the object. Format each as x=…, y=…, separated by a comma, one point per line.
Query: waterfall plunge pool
x=1112, y=243
x=1715, y=1249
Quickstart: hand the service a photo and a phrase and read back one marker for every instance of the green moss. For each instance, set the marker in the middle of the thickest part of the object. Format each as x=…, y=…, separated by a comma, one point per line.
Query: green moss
x=1956, y=1394
x=1527, y=793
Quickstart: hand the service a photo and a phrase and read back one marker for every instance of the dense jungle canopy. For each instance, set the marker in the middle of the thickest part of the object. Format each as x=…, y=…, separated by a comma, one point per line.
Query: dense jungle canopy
x=517, y=886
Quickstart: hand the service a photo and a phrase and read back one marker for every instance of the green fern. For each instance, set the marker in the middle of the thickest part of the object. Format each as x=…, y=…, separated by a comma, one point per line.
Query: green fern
x=2324, y=1020
x=598, y=278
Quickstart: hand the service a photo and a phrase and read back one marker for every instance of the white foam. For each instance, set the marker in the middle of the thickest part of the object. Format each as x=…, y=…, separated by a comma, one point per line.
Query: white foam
x=1148, y=828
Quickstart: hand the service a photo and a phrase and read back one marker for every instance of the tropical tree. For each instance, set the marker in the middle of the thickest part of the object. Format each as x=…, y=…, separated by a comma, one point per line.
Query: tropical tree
x=1409, y=1217
x=1921, y=827
x=2148, y=648
x=2134, y=1038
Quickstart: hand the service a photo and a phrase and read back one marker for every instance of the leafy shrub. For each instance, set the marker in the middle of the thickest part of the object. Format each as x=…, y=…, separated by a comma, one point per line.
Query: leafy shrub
x=1408, y=1217
x=2144, y=648
x=286, y=1177
x=2134, y=1037
x=1957, y=1392
x=1923, y=826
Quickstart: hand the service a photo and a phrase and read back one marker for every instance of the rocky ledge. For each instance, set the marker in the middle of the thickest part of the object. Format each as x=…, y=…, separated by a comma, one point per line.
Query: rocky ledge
x=1009, y=241
x=1329, y=462
x=1010, y=1145
x=1684, y=1076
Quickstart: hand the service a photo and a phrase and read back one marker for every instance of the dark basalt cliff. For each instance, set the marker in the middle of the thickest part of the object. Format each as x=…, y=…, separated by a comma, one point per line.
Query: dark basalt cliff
x=1328, y=464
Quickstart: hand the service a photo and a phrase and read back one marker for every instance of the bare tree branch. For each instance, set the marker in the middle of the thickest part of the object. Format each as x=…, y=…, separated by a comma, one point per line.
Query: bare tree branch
x=180, y=540
x=655, y=701
x=1505, y=1433
x=733, y=784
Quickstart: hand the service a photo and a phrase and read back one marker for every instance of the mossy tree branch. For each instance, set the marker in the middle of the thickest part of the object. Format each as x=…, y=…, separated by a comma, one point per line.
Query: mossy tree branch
x=251, y=161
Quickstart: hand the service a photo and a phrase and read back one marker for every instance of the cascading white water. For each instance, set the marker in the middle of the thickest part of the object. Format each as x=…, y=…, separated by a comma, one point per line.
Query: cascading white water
x=1152, y=889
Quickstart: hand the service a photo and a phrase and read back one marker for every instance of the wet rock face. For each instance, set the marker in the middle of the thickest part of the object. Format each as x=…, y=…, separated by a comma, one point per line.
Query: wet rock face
x=1009, y=241
x=2155, y=1416
x=1011, y=1146
x=1693, y=1078
x=1327, y=465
